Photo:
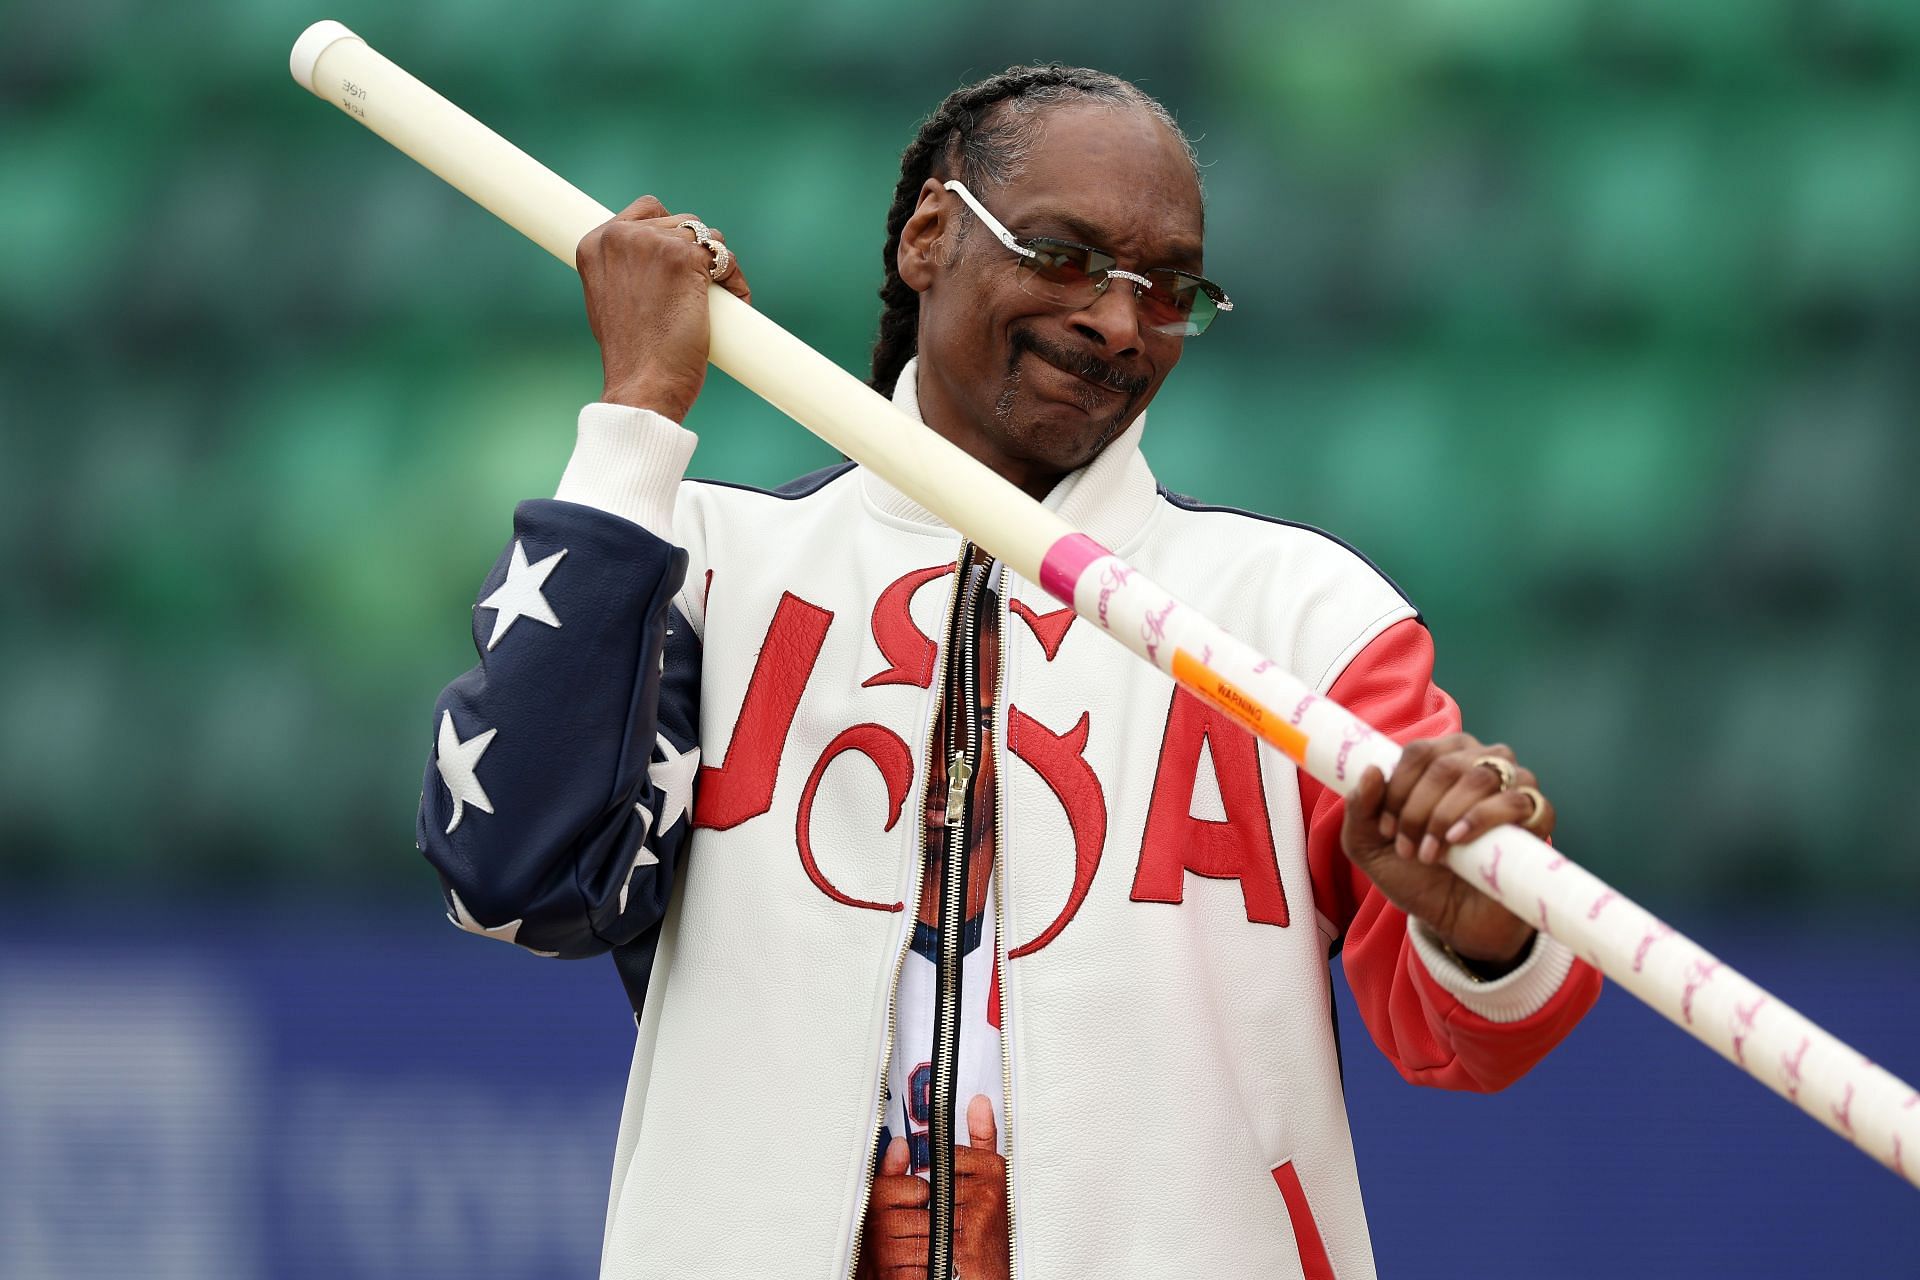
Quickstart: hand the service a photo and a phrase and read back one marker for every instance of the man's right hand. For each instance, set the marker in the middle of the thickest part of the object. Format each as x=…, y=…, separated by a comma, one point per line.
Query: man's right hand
x=898, y=1221
x=646, y=285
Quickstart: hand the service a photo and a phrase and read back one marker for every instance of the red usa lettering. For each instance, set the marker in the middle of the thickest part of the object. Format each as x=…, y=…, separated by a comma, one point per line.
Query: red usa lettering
x=1175, y=843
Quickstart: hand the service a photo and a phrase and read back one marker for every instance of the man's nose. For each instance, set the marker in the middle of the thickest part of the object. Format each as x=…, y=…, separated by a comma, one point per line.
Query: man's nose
x=1113, y=318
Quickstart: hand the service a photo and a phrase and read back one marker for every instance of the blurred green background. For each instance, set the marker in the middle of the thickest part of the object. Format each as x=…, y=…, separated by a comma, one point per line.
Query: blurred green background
x=1592, y=321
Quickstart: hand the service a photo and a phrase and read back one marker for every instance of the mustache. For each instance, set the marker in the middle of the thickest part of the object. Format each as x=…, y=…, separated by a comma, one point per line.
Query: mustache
x=1083, y=363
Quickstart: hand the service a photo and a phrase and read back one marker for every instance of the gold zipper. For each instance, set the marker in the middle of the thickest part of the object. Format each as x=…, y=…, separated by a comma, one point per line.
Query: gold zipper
x=958, y=771
x=900, y=957
x=963, y=676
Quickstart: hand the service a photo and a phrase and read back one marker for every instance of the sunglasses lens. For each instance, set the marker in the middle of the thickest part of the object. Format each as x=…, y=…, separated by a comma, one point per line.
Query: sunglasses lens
x=1062, y=272
x=1178, y=304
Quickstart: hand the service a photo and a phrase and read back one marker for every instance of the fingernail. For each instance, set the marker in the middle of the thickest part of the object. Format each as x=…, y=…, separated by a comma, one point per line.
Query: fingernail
x=1457, y=832
x=1387, y=825
x=1428, y=848
x=1404, y=846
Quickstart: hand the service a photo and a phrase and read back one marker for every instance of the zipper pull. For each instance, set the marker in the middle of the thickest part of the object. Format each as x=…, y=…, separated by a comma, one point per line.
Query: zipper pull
x=958, y=771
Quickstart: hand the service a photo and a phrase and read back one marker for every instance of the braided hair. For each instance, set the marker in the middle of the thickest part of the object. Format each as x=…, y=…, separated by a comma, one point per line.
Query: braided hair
x=981, y=134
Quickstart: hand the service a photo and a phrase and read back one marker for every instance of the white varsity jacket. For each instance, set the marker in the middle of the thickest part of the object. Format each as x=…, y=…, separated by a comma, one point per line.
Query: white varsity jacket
x=697, y=738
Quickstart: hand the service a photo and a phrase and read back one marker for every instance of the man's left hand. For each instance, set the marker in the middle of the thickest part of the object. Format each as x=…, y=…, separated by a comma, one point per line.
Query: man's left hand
x=1398, y=831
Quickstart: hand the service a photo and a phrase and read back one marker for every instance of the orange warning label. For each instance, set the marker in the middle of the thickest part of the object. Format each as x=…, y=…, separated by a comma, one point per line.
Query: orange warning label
x=1227, y=696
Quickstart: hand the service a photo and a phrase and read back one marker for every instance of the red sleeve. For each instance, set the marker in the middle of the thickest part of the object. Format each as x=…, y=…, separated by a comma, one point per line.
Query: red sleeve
x=1428, y=1035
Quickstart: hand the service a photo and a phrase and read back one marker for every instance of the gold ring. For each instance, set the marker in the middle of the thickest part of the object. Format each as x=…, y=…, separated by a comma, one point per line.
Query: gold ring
x=1502, y=767
x=1539, y=804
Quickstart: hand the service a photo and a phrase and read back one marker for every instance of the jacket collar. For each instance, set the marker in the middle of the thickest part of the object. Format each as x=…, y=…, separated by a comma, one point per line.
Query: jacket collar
x=1109, y=499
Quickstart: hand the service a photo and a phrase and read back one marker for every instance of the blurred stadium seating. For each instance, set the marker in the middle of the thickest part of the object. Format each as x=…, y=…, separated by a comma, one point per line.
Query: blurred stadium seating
x=1593, y=321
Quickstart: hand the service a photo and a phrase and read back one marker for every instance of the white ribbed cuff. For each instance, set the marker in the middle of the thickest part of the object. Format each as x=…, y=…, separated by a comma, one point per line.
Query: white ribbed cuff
x=1508, y=998
x=628, y=462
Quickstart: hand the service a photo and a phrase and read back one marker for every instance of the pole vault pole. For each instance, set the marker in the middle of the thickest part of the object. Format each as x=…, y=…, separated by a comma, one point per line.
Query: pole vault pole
x=1831, y=1082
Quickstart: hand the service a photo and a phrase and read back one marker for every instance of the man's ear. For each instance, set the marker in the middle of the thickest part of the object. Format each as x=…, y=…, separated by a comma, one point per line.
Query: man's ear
x=924, y=241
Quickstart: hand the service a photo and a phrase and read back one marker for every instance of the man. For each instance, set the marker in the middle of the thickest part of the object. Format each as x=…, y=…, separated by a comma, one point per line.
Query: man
x=1082, y=988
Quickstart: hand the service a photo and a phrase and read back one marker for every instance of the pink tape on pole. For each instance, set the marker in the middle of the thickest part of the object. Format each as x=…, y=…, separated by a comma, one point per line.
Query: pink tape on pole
x=1065, y=561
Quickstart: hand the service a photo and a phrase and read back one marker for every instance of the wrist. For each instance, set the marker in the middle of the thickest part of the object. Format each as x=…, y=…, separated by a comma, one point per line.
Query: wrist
x=663, y=398
x=1484, y=963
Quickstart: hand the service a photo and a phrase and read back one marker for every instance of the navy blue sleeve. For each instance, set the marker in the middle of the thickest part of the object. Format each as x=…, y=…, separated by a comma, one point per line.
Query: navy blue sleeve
x=559, y=791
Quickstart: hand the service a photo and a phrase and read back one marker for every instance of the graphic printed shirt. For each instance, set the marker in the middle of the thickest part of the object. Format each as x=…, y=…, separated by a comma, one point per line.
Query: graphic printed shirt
x=910, y=1071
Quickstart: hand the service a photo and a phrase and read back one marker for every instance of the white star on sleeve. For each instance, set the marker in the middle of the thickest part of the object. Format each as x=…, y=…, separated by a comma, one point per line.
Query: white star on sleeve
x=673, y=775
x=508, y=932
x=642, y=857
x=519, y=596
x=457, y=761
